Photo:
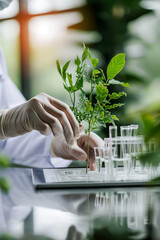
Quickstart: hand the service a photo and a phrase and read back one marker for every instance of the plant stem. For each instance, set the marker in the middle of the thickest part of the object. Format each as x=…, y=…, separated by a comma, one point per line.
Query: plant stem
x=71, y=99
x=89, y=127
x=89, y=131
x=74, y=99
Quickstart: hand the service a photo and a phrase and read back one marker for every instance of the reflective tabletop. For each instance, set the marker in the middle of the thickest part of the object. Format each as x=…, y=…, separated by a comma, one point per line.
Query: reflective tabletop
x=62, y=214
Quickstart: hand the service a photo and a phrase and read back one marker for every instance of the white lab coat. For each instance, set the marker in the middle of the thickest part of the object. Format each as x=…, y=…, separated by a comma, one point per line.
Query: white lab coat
x=31, y=149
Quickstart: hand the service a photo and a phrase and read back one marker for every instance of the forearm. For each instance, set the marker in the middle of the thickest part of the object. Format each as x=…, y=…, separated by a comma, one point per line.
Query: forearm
x=10, y=125
x=2, y=114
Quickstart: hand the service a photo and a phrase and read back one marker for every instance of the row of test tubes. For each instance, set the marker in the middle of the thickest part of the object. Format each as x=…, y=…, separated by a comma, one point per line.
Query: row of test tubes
x=119, y=155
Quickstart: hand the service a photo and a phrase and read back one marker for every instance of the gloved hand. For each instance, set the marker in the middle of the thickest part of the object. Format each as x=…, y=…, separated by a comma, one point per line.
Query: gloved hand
x=77, y=151
x=43, y=113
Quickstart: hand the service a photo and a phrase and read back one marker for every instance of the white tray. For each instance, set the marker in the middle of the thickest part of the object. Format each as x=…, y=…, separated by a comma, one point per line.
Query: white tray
x=77, y=178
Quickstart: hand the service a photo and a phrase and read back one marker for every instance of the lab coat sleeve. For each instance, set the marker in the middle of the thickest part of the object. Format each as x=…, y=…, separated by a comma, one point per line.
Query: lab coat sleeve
x=31, y=149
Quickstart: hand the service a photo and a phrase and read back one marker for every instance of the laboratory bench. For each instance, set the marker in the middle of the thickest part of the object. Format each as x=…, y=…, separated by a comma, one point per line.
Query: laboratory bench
x=59, y=213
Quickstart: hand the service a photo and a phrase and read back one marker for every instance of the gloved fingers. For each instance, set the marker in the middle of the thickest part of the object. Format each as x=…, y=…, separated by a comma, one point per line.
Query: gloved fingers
x=39, y=125
x=92, y=163
x=53, y=116
x=95, y=141
x=64, y=150
x=65, y=108
x=57, y=127
x=61, y=116
x=46, y=130
x=77, y=153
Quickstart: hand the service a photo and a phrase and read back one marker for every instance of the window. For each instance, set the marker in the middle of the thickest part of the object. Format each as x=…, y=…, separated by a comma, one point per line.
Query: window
x=33, y=34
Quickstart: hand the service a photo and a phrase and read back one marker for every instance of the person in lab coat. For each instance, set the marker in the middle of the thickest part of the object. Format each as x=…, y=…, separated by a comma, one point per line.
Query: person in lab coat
x=27, y=127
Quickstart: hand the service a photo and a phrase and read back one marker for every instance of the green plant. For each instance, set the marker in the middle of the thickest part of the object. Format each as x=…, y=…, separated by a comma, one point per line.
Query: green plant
x=4, y=163
x=94, y=111
x=151, y=127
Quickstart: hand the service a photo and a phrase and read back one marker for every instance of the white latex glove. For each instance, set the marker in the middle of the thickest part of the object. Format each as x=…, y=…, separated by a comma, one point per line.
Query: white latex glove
x=77, y=151
x=43, y=113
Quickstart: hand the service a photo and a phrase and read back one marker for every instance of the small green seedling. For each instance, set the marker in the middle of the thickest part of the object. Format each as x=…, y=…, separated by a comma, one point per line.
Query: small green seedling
x=96, y=113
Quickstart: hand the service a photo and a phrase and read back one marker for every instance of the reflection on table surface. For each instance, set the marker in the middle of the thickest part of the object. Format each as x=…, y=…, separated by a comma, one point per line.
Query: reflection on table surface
x=52, y=213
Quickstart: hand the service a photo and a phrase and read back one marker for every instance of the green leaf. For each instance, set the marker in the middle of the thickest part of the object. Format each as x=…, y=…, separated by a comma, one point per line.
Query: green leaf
x=94, y=128
x=114, y=106
x=79, y=83
x=85, y=54
x=70, y=89
x=69, y=76
x=85, y=66
x=113, y=81
x=58, y=67
x=96, y=71
x=82, y=91
x=102, y=75
x=116, y=82
x=88, y=106
x=111, y=119
x=116, y=65
x=117, y=95
x=64, y=69
x=108, y=119
x=150, y=159
x=4, y=186
x=73, y=89
x=115, y=117
x=94, y=62
x=77, y=61
x=98, y=80
x=67, y=88
x=4, y=161
x=151, y=125
x=102, y=115
x=125, y=84
x=78, y=70
x=102, y=92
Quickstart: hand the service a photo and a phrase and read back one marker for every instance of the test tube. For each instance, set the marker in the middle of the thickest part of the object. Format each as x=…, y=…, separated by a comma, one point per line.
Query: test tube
x=113, y=135
x=112, y=131
x=126, y=146
x=109, y=153
x=140, y=148
x=125, y=131
x=127, y=157
x=114, y=157
x=107, y=160
x=134, y=130
x=99, y=157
